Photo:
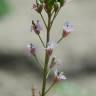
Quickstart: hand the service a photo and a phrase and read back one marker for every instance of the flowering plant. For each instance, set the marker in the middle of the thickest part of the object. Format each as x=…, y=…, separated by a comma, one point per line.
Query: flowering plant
x=51, y=8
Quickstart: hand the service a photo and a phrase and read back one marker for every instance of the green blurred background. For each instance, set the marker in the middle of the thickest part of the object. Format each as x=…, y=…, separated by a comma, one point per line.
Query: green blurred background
x=18, y=71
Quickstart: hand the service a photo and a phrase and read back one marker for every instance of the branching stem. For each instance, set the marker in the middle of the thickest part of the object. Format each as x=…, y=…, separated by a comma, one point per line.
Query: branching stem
x=45, y=71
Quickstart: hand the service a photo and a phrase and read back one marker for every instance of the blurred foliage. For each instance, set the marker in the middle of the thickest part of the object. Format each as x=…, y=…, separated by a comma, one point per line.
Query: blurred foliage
x=73, y=89
x=4, y=7
x=68, y=89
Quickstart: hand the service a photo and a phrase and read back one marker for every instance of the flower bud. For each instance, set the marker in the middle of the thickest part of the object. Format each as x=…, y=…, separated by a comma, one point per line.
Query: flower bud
x=46, y=8
x=56, y=7
x=61, y=2
x=50, y=48
x=32, y=49
x=37, y=8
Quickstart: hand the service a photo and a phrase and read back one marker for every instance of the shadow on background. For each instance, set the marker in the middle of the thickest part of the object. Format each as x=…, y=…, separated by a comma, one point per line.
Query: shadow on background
x=18, y=64
x=21, y=64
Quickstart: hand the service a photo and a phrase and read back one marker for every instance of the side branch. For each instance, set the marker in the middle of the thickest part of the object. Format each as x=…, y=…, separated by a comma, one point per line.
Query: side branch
x=41, y=40
x=43, y=20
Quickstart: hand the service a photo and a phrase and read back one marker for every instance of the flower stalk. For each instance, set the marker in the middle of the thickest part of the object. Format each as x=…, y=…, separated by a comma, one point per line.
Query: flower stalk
x=60, y=40
x=43, y=20
x=46, y=58
x=41, y=40
x=52, y=8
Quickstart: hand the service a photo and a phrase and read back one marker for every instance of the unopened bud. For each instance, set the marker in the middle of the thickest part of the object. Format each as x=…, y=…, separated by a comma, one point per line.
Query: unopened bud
x=32, y=49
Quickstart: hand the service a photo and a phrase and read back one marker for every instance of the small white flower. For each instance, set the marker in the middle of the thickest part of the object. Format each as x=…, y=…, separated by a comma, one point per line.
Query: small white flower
x=32, y=49
x=59, y=75
x=52, y=44
x=50, y=48
x=68, y=28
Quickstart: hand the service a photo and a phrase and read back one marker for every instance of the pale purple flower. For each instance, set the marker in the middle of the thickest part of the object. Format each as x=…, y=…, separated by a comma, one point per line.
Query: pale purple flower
x=59, y=75
x=32, y=49
x=68, y=28
x=37, y=27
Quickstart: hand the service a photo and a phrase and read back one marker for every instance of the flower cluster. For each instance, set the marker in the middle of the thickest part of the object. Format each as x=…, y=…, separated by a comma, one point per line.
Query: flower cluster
x=49, y=5
x=51, y=8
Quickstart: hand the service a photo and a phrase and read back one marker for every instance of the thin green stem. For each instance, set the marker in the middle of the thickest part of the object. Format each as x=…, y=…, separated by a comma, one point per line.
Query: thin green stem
x=41, y=40
x=60, y=40
x=50, y=87
x=45, y=71
x=43, y=20
x=55, y=16
x=48, y=74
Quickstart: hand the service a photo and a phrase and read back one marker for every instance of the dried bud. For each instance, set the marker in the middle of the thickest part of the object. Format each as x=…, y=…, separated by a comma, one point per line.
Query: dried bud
x=59, y=76
x=67, y=29
x=53, y=63
x=37, y=8
x=46, y=8
x=32, y=49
